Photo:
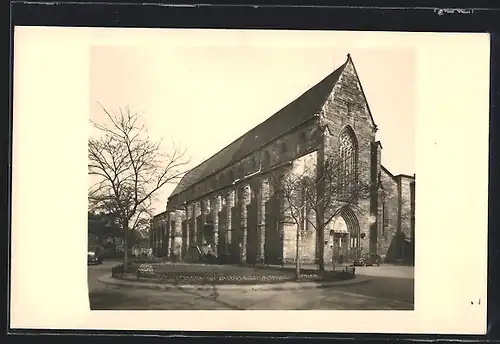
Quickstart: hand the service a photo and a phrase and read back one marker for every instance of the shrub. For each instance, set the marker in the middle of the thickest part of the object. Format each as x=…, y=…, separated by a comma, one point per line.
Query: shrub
x=117, y=270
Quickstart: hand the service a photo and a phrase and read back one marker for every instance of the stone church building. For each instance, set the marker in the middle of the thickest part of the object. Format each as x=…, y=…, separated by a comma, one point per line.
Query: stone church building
x=230, y=201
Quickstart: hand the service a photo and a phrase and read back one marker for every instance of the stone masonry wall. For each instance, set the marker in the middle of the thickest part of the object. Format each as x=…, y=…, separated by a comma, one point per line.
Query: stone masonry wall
x=346, y=106
x=389, y=197
x=405, y=204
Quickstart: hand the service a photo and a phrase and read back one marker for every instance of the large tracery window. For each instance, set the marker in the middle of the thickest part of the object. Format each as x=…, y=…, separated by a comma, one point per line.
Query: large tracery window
x=348, y=157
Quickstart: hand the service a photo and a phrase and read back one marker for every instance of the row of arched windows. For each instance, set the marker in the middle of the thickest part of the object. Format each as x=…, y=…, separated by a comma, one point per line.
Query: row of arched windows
x=266, y=161
x=348, y=156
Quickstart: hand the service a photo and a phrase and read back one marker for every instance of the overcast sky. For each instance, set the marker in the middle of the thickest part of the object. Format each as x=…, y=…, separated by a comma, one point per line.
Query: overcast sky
x=202, y=97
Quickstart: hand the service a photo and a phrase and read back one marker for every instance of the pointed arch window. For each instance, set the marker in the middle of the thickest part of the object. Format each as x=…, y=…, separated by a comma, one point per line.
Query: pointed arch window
x=348, y=161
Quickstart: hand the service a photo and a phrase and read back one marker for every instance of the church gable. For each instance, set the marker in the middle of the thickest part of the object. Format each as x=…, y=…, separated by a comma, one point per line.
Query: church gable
x=347, y=103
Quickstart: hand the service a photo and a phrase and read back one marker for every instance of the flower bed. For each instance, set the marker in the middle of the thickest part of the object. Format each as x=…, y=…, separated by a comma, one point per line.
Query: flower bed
x=145, y=270
x=224, y=274
x=192, y=279
x=214, y=279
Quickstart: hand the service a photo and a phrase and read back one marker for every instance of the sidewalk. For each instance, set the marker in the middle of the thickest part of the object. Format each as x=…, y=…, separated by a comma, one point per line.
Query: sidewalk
x=108, y=280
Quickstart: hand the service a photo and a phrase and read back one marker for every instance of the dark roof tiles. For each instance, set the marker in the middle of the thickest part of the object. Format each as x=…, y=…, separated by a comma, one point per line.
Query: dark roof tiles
x=301, y=109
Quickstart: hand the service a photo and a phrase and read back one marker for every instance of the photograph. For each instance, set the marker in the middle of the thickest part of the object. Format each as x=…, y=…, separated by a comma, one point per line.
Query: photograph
x=303, y=210
x=249, y=181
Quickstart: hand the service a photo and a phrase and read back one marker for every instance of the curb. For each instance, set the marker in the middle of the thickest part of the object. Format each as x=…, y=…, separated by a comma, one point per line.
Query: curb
x=108, y=280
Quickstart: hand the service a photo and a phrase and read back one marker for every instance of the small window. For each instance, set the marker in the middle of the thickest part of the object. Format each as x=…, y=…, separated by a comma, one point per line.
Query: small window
x=254, y=164
x=283, y=151
x=301, y=145
x=267, y=159
x=283, y=148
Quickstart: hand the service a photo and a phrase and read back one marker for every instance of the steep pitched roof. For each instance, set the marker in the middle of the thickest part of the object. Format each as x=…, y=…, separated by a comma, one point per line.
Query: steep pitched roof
x=289, y=117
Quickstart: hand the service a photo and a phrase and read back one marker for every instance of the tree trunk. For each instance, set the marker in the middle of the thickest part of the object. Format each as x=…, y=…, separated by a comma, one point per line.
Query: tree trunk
x=320, y=234
x=321, y=249
x=297, y=254
x=403, y=242
x=125, y=246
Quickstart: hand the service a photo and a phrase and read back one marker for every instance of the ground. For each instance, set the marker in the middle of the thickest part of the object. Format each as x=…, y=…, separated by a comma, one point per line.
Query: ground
x=391, y=287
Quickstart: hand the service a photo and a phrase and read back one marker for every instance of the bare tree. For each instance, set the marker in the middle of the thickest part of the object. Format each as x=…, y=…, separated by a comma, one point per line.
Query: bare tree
x=107, y=204
x=129, y=168
x=293, y=188
x=324, y=188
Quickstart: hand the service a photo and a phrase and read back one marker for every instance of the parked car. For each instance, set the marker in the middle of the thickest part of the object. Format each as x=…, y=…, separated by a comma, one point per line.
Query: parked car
x=94, y=256
x=369, y=259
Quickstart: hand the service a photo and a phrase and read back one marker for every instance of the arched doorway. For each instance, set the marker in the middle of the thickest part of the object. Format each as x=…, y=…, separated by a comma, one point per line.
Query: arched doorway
x=343, y=240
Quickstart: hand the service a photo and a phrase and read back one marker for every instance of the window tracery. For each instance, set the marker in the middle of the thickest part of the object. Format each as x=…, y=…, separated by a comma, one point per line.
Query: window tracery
x=348, y=160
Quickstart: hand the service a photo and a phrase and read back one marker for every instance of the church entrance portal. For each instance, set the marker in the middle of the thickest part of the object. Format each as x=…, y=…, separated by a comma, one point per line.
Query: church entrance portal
x=344, y=238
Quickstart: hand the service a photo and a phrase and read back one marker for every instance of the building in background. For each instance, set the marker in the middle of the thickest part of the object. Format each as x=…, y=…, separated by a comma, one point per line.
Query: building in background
x=103, y=232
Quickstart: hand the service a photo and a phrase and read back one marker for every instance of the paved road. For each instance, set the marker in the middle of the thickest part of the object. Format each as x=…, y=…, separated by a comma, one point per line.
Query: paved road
x=381, y=293
x=386, y=270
